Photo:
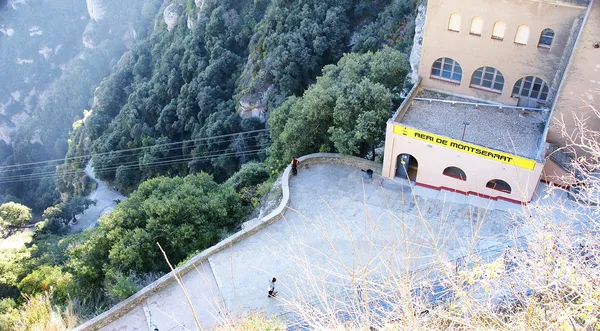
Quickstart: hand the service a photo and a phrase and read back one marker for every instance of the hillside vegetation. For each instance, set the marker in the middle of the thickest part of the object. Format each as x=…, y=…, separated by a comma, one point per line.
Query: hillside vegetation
x=169, y=127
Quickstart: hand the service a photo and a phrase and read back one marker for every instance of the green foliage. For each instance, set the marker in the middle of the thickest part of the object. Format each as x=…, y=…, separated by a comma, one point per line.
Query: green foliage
x=254, y=322
x=182, y=214
x=14, y=214
x=346, y=109
x=250, y=183
x=39, y=312
x=394, y=27
x=8, y=314
x=120, y=286
x=12, y=269
x=251, y=174
x=173, y=86
x=293, y=42
x=66, y=74
x=57, y=218
x=47, y=279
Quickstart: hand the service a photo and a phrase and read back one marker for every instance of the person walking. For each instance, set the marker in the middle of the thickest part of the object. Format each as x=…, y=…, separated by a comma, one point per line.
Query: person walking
x=272, y=291
x=294, y=164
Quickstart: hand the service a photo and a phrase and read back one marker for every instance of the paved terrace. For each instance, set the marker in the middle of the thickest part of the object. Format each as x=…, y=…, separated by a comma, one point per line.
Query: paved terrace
x=506, y=131
x=335, y=215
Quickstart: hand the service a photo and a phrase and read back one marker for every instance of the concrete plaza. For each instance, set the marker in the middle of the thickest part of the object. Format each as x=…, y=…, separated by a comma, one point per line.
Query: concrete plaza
x=339, y=225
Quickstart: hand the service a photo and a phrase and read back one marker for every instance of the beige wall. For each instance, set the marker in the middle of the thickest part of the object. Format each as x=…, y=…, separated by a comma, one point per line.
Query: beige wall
x=433, y=159
x=472, y=52
x=581, y=88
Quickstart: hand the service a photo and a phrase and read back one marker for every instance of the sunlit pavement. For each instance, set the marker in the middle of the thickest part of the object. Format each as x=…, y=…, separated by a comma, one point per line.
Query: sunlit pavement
x=337, y=222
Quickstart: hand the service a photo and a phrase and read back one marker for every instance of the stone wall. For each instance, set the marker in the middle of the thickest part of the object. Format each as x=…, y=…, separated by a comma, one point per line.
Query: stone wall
x=127, y=305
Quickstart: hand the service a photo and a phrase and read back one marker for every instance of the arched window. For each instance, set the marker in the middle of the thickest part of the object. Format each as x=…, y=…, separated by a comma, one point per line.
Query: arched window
x=488, y=78
x=447, y=69
x=454, y=23
x=546, y=38
x=531, y=87
x=476, y=26
x=499, y=185
x=455, y=172
x=522, y=35
x=499, y=30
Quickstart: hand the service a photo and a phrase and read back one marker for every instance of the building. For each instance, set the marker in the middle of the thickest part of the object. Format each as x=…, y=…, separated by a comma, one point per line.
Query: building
x=493, y=79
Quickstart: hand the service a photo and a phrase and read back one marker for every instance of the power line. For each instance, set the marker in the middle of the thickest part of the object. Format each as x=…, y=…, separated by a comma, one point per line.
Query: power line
x=71, y=171
x=17, y=176
x=113, y=157
x=168, y=162
x=131, y=149
x=128, y=165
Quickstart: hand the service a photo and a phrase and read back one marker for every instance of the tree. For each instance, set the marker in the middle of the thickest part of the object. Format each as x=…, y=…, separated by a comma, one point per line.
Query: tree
x=47, y=279
x=345, y=110
x=57, y=218
x=14, y=214
x=251, y=174
x=359, y=116
x=184, y=215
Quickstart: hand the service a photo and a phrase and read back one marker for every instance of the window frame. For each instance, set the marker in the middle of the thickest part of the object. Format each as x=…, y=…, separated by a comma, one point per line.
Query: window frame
x=459, y=21
x=453, y=71
x=478, y=19
x=542, y=37
x=493, y=186
x=484, y=71
x=522, y=26
x=521, y=84
x=460, y=174
x=496, y=24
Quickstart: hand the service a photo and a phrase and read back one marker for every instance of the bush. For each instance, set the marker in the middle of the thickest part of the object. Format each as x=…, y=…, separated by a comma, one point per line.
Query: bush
x=39, y=313
x=253, y=322
x=251, y=174
x=14, y=214
x=47, y=279
x=120, y=286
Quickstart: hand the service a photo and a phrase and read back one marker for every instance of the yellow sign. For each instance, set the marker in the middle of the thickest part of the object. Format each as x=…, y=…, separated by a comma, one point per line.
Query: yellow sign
x=465, y=147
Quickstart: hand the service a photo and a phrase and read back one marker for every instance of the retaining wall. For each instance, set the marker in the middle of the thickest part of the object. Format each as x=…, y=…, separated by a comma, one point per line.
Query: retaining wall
x=137, y=299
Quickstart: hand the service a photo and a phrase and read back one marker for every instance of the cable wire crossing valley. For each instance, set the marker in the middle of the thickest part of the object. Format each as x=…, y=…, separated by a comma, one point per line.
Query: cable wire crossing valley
x=465, y=147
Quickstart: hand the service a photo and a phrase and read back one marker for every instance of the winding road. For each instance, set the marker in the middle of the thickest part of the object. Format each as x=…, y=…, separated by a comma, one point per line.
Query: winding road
x=105, y=203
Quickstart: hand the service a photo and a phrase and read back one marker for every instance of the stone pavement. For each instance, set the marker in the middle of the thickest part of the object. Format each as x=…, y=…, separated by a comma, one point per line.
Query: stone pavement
x=339, y=224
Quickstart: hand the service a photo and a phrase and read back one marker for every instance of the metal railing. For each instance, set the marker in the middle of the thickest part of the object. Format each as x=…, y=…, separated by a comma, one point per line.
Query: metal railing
x=482, y=104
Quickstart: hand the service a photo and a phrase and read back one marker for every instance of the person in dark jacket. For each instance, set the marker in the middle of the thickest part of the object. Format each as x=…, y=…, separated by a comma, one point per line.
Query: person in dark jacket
x=272, y=291
x=294, y=164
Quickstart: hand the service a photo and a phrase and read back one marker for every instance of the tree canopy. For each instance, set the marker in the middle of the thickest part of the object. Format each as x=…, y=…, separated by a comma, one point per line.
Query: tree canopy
x=345, y=110
x=14, y=214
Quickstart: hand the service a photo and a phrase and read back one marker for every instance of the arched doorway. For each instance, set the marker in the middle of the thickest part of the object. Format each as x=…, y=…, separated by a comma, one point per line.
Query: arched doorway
x=407, y=167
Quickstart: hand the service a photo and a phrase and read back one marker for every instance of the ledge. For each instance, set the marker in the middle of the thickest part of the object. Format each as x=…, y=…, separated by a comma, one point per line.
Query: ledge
x=138, y=298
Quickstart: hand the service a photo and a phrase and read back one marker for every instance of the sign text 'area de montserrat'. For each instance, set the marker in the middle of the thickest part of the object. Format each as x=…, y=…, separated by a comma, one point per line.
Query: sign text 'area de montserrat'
x=465, y=147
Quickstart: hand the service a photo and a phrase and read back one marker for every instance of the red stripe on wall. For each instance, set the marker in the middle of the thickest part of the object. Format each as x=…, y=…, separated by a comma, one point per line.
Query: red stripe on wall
x=439, y=188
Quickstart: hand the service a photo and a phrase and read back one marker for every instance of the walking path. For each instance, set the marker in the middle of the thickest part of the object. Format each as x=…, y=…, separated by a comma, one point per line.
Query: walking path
x=105, y=203
x=338, y=223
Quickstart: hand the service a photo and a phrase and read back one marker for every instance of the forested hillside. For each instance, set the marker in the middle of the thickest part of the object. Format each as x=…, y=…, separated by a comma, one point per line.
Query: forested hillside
x=210, y=74
x=53, y=54
x=193, y=123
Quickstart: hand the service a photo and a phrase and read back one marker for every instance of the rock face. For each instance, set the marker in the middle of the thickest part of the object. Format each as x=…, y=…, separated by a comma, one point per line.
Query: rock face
x=172, y=14
x=96, y=9
x=415, y=54
x=255, y=105
x=88, y=39
x=199, y=4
